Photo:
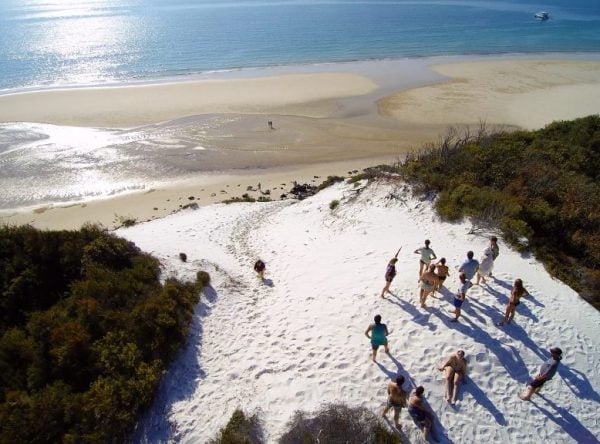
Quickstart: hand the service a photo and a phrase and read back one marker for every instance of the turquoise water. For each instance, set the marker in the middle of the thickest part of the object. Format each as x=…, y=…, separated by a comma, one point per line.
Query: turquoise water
x=48, y=43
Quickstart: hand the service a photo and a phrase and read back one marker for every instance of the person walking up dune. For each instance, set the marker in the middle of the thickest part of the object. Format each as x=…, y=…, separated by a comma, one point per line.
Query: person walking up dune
x=455, y=369
x=427, y=255
x=259, y=267
x=378, y=336
x=396, y=399
x=546, y=373
x=517, y=292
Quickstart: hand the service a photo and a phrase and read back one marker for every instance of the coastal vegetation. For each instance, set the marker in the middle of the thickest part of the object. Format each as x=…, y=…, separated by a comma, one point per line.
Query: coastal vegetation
x=338, y=423
x=241, y=429
x=86, y=331
x=539, y=189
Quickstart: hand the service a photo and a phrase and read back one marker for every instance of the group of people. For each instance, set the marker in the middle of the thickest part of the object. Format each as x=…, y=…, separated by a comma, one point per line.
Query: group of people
x=431, y=278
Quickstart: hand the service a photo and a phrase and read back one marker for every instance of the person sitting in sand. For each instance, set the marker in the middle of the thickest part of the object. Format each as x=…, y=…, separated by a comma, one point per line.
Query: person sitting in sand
x=460, y=296
x=378, y=337
x=442, y=272
x=455, y=369
x=486, y=263
x=390, y=273
x=259, y=267
x=396, y=399
x=420, y=413
x=429, y=282
x=427, y=255
x=469, y=267
x=546, y=373
x=517, y=292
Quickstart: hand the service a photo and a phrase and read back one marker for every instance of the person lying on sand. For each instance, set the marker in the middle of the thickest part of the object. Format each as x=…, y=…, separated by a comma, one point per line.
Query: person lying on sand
x=420, y=413
x=396, y=399
x=455, y=369
x=546, y=373
x=429, y=282
x=390, y=273
x=378, y=336
x=517, y=292
x=427, y=255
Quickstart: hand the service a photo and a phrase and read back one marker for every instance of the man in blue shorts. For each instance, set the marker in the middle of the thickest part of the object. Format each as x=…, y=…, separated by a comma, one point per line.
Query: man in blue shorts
x=460, y=295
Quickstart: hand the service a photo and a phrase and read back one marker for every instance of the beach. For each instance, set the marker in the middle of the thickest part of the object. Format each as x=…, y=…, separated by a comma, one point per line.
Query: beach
x=329, y=120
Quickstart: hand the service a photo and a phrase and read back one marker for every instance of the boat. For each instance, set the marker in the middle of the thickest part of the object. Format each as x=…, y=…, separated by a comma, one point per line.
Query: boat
x=542, y=15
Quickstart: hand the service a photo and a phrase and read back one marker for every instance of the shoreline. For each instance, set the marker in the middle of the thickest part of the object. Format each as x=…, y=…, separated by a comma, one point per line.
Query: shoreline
x=158, y=202
x=298, y=68
x=327, y=122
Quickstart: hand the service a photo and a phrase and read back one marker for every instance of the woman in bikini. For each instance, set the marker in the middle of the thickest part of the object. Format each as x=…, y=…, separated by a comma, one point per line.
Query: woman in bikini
x=442, y=272
x=455, y=369
x=517, y=292
x=429, y=282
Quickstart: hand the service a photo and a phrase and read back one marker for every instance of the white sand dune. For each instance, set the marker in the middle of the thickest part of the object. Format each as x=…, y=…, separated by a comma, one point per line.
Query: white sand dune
x=299, y=342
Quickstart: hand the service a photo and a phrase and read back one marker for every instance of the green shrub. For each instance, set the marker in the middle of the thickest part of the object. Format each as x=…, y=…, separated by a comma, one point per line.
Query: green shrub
x=86, y=331
x=338, y=423
x=202, y=279
x=331, y=180
x=334, y=204
x=240, y=429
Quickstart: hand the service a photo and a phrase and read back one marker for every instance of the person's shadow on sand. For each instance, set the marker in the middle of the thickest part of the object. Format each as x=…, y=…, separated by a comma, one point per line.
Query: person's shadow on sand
x=417, y=316
x=578, y=383
x=567, y=421
x=479, y=395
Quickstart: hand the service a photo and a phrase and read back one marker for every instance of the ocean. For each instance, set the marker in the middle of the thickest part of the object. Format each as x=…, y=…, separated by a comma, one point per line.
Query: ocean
x=58, y=43
x=69, y=43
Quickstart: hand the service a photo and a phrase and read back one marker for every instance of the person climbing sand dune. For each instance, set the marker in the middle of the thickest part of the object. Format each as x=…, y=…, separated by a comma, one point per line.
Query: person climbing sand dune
x=259, y=267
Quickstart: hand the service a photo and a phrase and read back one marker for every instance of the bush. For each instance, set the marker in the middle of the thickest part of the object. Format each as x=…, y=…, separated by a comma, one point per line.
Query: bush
x=334, y=204
x=86, y=331
x=240, y=429
x=331, y=180
x=202, y=279
x=338, y=423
